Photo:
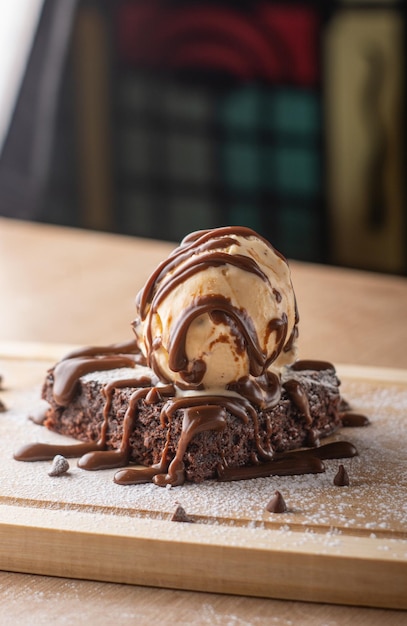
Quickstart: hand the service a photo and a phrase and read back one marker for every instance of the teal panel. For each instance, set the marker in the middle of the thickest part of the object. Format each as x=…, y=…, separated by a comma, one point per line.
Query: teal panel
x=240, y=109
x=245, y=215
x=293, y=112
x=297, y=170
x=241, y=166
x=300, y=232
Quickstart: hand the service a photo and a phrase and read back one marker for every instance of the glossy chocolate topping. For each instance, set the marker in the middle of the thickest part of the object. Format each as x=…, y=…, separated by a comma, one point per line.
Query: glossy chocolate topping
x=354, y=419
x=200, y=413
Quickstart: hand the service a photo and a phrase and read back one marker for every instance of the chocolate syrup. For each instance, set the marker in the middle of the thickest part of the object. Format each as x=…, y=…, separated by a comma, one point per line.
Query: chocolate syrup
x=200, y=413
x=311, y=364
x=354, y=420
x=47, y=451
x=291, y=465
x=308, y=461
x=178, y=360
x=74, y=368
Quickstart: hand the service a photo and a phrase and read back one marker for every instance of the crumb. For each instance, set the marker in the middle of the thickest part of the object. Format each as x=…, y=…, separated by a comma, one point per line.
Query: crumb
x=59, y=467
x=180, y=515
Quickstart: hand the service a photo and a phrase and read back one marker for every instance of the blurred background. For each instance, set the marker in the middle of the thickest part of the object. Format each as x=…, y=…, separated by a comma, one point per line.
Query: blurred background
x=155, y=117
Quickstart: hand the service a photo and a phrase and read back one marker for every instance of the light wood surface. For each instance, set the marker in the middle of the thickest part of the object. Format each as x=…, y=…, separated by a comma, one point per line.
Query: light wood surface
x=77, y=287
x=66, y=286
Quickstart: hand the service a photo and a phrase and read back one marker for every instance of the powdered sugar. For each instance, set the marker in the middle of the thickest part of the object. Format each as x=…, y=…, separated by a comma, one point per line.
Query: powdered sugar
x=374, y=502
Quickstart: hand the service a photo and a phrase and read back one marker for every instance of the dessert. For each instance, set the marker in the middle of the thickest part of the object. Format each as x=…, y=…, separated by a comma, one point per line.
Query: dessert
x=211, y=386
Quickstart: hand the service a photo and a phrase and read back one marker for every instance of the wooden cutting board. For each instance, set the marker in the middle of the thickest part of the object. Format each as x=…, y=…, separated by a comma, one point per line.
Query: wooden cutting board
x=343, y=545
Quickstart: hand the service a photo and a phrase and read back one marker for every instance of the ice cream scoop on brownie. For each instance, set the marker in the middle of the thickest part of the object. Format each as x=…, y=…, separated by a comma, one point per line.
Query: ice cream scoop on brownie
x=210, y=385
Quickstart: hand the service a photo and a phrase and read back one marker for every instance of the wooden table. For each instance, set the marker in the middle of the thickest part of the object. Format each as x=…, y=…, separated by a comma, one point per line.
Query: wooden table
x=62, y=286
x=78, y=287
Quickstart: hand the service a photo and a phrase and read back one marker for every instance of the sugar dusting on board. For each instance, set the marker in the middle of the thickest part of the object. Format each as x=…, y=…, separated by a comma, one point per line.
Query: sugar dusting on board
x=374, y=503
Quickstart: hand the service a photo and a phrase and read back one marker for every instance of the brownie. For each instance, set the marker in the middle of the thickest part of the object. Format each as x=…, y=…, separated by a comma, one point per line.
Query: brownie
x=282, y=428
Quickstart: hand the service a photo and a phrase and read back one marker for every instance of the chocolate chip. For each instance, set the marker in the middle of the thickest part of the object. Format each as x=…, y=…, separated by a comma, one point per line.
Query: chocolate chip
x=59, y=466
x=341, y=478
x=180, y=515
x=277, y=504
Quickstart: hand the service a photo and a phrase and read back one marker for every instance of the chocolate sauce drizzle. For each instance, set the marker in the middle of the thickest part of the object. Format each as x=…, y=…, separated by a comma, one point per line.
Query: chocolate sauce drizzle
x=200, y=413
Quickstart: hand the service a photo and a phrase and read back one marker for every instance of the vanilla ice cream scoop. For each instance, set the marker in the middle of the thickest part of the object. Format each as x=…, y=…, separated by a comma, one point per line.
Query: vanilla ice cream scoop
x=220, y=308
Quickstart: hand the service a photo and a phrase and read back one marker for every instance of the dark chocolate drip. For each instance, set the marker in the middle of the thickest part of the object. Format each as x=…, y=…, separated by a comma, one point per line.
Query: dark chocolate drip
x=309, y=364
x=196, y=264
x=67, y=373
x=199, y=237
x=178, y=361
x=140, y=475
x=195, y=420
x=47, y=451
x=294, y=333
x=178, y=256
x=196, y=244
x=137, y=475
x=332, y=450
x=308, y=461
x=299, y=398
x=201, y=413
x=126, y=347
x=354, y=420
x=264, y=391
x=281, y=467
x=105, y=459
x=236, y=406
x=279, y=327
